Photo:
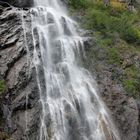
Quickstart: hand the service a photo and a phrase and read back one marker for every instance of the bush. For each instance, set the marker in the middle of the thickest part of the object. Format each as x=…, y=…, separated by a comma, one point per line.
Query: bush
x=77, y=3
x=131, y=35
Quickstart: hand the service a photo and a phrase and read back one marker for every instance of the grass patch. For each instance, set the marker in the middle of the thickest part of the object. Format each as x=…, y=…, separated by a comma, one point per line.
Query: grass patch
x=132, y=80
x=112, y=19
x=114, y=56
x=112, y=52
x=2, y=86
x=77, y=4
x=103, y=21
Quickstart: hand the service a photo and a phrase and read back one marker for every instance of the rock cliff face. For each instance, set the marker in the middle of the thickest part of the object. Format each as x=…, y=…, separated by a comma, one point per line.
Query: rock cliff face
x=17, y=3
x=19, y=76
x=20, y=79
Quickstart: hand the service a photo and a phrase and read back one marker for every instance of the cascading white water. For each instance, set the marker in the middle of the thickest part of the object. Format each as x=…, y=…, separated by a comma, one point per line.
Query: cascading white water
x=71, y=107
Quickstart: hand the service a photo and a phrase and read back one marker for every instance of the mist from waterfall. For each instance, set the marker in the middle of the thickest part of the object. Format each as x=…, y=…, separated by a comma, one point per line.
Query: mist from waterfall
x=71, y=108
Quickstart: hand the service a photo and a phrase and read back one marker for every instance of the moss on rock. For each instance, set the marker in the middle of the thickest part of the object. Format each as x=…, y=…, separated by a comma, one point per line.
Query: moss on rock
x=2, y=86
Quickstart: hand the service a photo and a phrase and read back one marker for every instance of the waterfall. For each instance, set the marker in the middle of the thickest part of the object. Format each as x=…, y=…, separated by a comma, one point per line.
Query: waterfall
x=71, y=108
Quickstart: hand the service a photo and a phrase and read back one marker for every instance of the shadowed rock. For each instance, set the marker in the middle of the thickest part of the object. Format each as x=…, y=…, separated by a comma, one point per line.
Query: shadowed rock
x=20, y=78
x=17, y=3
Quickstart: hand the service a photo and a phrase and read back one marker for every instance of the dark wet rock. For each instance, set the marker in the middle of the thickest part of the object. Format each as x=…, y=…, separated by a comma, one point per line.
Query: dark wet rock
x=88, y=42
x=65, y=25
x=21, y=97
x=17, y=3
x=50, y=18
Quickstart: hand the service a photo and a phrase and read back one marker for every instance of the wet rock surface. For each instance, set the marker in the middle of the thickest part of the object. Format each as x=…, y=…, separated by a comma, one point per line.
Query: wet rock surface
x=20, y=100
x=17, y=3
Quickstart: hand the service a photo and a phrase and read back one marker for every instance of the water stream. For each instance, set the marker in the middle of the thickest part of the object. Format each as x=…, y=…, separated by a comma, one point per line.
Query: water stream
x=71, y=106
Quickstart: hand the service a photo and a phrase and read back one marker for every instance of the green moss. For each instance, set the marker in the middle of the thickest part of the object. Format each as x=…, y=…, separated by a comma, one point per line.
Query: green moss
x=112, y=52
x=106, y=42
x=132, y=72
x=114, y=56
x=130, y=86
x=131, y=81
x=2, y=86
x=77, y=4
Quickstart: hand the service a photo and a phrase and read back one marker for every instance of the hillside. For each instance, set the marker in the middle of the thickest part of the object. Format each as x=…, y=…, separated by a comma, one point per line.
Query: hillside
x=113, y=56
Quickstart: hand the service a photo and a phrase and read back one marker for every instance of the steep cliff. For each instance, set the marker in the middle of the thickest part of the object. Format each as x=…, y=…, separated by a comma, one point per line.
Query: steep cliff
x=17, y=3
x=18, y=78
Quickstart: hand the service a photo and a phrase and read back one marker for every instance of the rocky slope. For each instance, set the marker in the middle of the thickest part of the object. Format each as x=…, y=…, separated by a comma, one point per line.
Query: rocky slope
x=18, y=76
x=123, y=108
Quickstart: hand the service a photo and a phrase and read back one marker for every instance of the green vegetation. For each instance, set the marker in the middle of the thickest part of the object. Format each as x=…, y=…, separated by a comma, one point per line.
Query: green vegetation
x=131, y=81
x=77, y=4
x=117, y=33
x=109, y=20
x=113, y=56
x=112, y=53
x=2, y=86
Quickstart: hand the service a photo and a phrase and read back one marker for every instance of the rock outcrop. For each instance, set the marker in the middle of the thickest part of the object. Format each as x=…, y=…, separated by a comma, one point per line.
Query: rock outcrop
x=18, y=3
x=20, y=100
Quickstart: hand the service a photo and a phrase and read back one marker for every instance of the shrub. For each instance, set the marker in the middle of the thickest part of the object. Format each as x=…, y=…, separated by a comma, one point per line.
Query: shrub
x=77, y=3
x=131, y=35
